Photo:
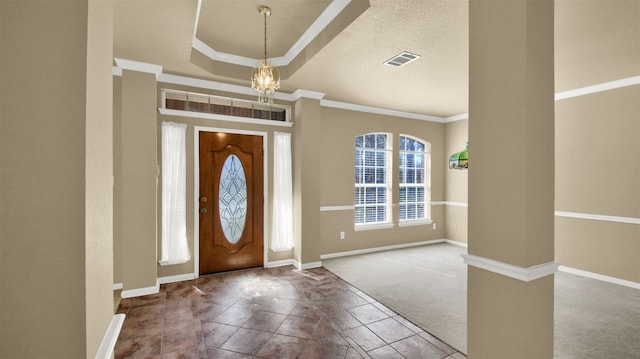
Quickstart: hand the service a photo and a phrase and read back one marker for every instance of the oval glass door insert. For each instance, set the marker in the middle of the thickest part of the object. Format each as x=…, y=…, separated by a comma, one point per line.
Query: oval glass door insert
x=233, y=199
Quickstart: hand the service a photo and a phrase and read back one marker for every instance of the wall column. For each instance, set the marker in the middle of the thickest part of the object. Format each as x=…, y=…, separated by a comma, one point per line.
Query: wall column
x=511, y=179
x=138, y=192
x=306, y=180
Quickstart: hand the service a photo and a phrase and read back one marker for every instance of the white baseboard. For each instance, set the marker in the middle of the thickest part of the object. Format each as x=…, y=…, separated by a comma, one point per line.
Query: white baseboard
x=117, y=286
x=602, y=277
x=105, y=351
x=304, y=266
x=379, y=249
x=457, y=243
x=176, y=278
x=282, y=263
x=138, y=292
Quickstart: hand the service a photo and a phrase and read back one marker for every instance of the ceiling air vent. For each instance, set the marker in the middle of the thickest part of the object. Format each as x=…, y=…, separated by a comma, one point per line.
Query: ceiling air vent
x=401, y=59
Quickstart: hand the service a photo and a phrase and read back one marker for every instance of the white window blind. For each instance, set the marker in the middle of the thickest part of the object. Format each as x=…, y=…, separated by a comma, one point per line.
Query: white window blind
x=372, y=179
x=415, y=194
x=282, y=228
x=175, y=249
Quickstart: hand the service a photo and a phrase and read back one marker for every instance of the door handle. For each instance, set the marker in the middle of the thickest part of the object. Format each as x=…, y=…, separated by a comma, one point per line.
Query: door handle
x=203, y=210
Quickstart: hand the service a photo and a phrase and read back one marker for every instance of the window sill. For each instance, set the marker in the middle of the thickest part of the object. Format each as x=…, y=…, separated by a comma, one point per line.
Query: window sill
x=373, y=226
x=414, y=222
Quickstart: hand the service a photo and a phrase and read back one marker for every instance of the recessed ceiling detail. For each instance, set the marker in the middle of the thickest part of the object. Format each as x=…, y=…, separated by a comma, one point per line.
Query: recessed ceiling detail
x=225, y=37
x=402, y=59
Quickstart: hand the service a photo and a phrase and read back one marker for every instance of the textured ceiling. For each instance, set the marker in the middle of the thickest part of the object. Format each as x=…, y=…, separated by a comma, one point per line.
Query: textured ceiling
x=596, y=41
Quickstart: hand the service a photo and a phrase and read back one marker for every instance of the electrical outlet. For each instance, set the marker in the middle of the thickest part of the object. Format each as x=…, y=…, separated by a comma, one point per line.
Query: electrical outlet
x=341, y=235
x=455, y=227
x=434, y=226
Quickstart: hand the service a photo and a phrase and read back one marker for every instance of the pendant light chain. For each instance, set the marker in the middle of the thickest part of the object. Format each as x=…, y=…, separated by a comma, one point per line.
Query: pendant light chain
x=265, y=78
x=265, y=37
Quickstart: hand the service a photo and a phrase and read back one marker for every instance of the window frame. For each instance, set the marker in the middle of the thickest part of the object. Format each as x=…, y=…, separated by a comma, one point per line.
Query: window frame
x=359, y=182
x=425, y=184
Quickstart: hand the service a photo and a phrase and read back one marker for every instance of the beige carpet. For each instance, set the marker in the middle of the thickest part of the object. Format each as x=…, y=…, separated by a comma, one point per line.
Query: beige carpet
x=427, y=285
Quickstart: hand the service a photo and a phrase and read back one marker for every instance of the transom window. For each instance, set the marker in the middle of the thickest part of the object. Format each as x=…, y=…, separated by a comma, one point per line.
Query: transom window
x=372, y=179
x=414, y=180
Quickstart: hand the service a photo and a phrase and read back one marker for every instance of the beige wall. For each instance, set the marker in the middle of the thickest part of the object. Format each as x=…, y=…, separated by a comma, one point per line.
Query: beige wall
x=456, y=182
x=138, y=188
x=321, y=178
x=117, y=179
x=53, y=73
x=598, y=172
x=331, y=183
x=99, y=174
x=339, y=129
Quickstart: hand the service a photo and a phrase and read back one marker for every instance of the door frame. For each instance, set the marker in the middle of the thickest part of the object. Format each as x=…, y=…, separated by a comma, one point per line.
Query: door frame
x=196, y=189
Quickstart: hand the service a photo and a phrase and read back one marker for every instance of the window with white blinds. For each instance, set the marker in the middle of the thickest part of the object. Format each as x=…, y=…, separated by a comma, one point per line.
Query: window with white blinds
x=372, y=179
x=414, y=180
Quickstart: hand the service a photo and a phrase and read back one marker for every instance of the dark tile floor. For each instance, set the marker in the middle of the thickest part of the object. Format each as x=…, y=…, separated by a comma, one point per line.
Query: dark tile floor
x=269, y=313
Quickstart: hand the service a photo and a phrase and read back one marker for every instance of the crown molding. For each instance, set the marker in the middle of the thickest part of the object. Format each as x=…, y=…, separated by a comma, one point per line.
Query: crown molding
x=462, y=116
x=124, y=64
x=380, y=111
x=605, y=86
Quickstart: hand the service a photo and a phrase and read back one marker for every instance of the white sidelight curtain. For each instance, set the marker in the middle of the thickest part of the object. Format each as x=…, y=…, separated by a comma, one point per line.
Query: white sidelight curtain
x=282, y=228
x=175, y=249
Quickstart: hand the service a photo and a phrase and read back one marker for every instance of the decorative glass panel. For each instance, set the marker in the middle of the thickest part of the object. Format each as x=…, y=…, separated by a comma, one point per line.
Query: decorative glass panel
x=233, y=199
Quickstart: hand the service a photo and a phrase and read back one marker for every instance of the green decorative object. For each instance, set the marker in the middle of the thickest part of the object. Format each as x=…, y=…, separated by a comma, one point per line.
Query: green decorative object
x=460, y=160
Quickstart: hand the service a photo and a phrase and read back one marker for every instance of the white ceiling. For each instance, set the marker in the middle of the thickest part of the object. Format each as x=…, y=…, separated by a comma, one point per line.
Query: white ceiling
x=596, y=41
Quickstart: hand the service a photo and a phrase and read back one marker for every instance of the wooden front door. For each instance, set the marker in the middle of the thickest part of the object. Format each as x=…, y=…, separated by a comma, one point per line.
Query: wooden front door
x=231, y=202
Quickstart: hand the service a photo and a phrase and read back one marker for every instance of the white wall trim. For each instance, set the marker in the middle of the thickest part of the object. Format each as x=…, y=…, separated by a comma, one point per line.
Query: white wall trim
x=138, y=292
x=598, y=217
x=176, y=278
x=373, y=226
x=108, y=344
x=278, y=95
x=117, y=286
x=379, y=249
x=138, y=66
x=605, y=86
x=510, y=270
x=449, y=203
x=196, y=189
x=602, y=277
x=281, y=263
x=462, y=116
x=380, y=111
x=300, y=93
x=457, y=243
x=336, y=208
x=218, y=117
x=589, y=216
x=304, y=266
x=325, y=18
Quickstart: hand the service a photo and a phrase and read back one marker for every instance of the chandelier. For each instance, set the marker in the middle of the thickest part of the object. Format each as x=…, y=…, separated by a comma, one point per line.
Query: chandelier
x=265, y=78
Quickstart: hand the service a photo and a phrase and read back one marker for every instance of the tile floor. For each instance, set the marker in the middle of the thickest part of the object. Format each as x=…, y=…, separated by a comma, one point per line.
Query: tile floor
x=269, y=313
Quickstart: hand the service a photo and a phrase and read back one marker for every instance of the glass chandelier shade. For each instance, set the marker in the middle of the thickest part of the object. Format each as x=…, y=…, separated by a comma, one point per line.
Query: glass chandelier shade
x=265, y=78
